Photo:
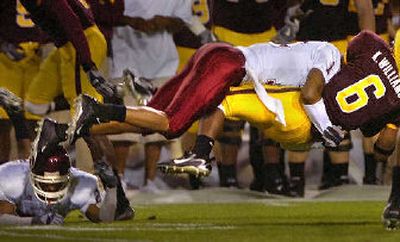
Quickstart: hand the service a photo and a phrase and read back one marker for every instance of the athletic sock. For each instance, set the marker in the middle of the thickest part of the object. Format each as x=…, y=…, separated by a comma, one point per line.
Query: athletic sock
x=370, y=166
x=203, y=146
x=112, y=112
x=296, y=170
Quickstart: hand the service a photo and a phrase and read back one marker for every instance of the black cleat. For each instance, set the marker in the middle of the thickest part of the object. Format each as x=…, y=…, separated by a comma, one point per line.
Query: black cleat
x=334, y=182
x=257, y=185
x=227, y=176
x=140, y=88
x=49, y=133
x=127, y=214
x=276, y=186
x=189, y=163
x=10, y=102
x=370, y=180
x=85, y=116
x=391, y=214
x=296, y=187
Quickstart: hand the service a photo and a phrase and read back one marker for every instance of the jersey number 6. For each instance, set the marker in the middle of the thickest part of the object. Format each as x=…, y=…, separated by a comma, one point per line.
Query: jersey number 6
x=357, y=90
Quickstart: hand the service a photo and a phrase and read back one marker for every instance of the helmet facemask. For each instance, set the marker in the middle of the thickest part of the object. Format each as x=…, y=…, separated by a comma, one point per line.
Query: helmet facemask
x=50, y=175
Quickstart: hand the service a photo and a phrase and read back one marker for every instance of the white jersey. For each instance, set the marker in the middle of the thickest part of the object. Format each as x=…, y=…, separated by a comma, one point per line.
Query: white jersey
x=16, y=188
x=289, y=65
x=154, y=55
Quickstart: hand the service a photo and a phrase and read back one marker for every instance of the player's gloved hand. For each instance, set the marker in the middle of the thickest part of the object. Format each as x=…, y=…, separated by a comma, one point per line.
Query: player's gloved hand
x=102, y=86
x=48, y=219
x=333, y=135
x=106, y=174
x=287, y=33
x=207, y=36
x=10, y=102
x=13, y=52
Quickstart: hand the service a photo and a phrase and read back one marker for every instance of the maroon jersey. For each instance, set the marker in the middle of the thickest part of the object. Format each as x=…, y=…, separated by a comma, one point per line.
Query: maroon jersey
x=107, y=14
x=327, y=20
x=365, y=93
x=248, y=16
x=64, y=21
x=15, y=25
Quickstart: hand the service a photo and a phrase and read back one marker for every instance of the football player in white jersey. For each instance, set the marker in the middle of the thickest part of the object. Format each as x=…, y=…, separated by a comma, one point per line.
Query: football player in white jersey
x=45, y=188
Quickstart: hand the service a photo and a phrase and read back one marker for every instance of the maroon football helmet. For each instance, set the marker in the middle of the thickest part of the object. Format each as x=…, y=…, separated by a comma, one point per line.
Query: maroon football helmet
x=50, y=174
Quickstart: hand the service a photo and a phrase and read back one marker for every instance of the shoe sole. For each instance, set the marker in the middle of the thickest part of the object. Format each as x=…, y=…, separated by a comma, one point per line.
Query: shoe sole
x=72, y=126
x=192, y=170
x=391, y=223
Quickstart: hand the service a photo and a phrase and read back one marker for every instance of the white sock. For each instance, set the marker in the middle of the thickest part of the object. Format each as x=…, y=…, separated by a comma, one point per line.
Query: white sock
x=318, y=115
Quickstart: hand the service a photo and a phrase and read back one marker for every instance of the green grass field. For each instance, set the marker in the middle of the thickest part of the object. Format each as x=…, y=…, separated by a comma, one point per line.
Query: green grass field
x=254, y=221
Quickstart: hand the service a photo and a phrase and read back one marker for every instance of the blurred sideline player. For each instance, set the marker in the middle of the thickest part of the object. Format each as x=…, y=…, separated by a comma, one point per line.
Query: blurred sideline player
x=137, y=47
x=20, y=58
x=382, y=150
x=243, y=23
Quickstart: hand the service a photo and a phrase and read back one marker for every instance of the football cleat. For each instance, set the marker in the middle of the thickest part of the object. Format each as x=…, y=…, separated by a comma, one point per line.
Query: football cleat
x=189, y=163
x=127, y=214
x=84, y=117
x=276, y=186
x=296, y=187
x=49, y=133
x=9, y=101
x=140, y=88
x=334, y=182
x=391, y=214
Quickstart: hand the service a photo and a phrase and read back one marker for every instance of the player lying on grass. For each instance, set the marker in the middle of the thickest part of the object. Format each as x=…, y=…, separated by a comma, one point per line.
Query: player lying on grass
x=45, y=188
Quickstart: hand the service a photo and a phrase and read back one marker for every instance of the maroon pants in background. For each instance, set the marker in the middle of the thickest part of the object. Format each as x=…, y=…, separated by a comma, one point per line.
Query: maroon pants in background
x=200, y=87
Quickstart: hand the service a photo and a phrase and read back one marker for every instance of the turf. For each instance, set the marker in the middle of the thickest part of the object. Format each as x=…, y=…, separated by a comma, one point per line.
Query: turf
x=260, y=221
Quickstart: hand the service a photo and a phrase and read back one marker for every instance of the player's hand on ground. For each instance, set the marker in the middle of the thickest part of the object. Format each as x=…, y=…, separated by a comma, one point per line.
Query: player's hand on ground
x=48, y=219
x=12, y=51
x=102, y=86
x=333, y=135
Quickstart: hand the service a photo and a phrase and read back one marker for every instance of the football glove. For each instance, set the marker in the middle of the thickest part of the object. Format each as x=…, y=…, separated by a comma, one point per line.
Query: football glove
x=10, y=102
x=102, y=86
x=48, y=219
x=333, y=135
x=13, y=52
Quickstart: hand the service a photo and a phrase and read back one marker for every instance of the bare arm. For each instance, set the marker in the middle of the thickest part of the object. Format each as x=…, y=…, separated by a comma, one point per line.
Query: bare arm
x=312, y=89
x=366, y=17
x=10, y=217
x=105, y=212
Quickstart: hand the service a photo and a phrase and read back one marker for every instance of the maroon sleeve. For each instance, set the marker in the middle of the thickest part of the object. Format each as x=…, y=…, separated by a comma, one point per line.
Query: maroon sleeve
x=108, y=12
x=72, y=26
